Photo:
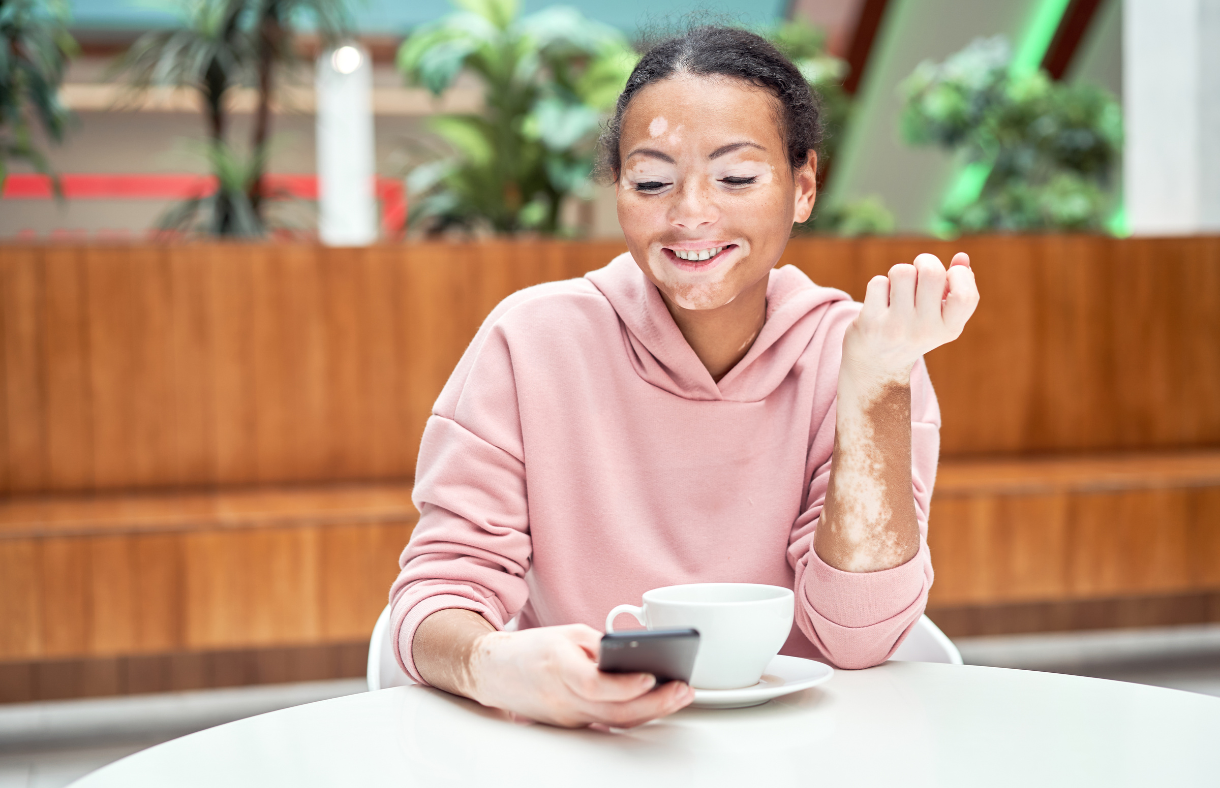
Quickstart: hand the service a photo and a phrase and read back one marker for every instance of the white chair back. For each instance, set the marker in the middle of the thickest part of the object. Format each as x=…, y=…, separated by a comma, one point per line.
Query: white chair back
x=926, y=643
x=383, y=669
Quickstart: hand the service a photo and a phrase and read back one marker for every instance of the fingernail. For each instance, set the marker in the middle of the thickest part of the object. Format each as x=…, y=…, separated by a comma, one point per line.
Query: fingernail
x=648, y=680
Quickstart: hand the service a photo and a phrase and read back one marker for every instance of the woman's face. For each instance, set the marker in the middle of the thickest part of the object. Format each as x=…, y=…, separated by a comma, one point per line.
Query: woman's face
x=706, y=198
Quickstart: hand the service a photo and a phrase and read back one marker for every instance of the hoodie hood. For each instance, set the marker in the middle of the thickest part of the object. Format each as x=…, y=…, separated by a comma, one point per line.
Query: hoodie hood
x=662, y=357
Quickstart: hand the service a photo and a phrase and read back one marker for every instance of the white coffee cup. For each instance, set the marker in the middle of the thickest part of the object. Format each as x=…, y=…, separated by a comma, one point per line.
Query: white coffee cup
x=742, y=626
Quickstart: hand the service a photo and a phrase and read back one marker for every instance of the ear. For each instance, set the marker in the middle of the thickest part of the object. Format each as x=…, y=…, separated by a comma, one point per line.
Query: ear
x=806, y=181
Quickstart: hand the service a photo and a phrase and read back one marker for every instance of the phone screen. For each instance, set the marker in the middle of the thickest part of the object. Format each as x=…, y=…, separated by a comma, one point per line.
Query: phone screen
x=668, y=654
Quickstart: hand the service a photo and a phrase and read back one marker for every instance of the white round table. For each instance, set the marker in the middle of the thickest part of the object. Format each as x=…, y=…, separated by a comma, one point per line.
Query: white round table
x=900, y=724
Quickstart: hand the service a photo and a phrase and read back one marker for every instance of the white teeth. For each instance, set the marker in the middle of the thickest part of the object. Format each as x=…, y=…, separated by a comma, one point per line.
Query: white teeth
x=701, y=254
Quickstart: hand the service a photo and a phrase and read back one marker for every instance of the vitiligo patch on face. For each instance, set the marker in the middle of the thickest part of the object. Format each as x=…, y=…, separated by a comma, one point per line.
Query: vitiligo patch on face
x=693, y=289
x=658, y=126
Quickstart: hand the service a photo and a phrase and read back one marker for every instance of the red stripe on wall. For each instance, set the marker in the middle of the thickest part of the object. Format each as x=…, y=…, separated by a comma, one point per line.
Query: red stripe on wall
x=96, y=186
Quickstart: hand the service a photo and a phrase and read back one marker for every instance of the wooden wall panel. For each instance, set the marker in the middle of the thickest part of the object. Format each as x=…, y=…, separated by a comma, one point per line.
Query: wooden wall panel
x=5, y=306
x=232, y=314
x=41, y=680
x=1080, y=343
x=111, y=599
x=383, y=386
x=21, y=608
x=357, y=565
x=22, y=289
x=1000, y=549
x=193, y=372
x=289, y=363
x=194, y=590
x=1075, y=615
x=247, y=364
x=64, y=580
x=159, y=593
x=69, y=424
x=131, y=359
x=147, y=371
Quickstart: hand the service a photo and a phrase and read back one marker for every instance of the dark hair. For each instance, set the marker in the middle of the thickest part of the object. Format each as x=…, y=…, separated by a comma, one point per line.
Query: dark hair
x=728, y=52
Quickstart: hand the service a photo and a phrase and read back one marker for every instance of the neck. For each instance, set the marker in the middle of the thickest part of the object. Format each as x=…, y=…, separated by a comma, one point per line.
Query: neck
x=722, y=336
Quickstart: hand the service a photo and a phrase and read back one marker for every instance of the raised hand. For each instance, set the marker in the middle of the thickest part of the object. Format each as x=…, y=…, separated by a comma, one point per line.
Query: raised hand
x=915, y=309
x=868, y=522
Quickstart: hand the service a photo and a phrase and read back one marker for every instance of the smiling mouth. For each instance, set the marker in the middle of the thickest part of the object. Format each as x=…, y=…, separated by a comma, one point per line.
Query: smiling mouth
x=696, y=257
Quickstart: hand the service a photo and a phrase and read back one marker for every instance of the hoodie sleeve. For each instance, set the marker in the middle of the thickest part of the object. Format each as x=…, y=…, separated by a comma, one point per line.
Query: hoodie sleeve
x=471, y=547
x=858, y=619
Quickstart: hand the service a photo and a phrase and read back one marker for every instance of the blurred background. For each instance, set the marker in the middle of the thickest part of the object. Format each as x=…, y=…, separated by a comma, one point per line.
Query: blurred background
x=244, y=242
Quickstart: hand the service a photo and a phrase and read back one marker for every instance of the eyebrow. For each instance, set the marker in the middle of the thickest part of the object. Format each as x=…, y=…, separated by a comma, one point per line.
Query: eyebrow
x=721, y=151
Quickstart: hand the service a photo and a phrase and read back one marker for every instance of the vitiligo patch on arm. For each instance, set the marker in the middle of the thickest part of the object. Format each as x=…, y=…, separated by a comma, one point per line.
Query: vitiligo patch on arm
x=870, y=511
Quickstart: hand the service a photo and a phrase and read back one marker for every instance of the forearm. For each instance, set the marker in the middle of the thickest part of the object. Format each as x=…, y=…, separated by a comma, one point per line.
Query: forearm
x=444, y=648
x=868, y=522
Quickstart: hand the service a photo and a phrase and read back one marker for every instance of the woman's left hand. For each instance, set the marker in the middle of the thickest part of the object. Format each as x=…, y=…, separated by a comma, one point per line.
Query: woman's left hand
x=915, y=309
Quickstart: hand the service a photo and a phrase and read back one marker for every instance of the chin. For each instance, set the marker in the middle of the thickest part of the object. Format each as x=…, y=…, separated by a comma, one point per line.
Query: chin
x=696, y=298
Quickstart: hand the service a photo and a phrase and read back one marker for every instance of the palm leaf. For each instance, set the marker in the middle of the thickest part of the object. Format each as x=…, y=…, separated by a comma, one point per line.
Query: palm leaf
x=34, y=49
x=470, y=135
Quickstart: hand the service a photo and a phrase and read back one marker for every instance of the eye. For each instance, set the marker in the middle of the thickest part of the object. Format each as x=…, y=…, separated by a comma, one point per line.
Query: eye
x=649, y=186
x=735, y=180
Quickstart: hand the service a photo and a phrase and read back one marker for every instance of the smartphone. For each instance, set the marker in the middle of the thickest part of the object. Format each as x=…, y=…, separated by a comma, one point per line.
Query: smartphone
x=668, y=654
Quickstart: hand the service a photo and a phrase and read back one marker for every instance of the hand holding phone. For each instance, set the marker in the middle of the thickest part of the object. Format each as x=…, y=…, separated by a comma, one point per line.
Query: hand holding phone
x=550, y=674
x=668, y=654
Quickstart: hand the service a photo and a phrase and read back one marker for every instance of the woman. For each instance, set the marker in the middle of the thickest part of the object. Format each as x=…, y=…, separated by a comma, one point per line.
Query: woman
x=685, y=414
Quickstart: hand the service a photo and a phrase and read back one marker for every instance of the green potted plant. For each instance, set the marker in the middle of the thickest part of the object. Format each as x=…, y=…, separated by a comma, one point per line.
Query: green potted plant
x=1044, y=151
x=547, y=80
x=224, y=44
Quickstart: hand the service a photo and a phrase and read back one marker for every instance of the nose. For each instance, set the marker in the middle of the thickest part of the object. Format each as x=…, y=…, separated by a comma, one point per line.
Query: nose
x=694, y=205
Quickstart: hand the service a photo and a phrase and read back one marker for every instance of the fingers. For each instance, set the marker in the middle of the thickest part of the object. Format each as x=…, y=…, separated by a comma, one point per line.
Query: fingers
x=962, y=300
x=876, y=298
x=961, y=258
x=584, y=680
x=902, y=290
x=659, y=703
x=589, y=683
x=930, y=285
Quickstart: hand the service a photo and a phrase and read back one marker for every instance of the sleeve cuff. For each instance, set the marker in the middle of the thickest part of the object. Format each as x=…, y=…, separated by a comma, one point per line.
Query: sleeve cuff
x=860, y=599
x=415, y=616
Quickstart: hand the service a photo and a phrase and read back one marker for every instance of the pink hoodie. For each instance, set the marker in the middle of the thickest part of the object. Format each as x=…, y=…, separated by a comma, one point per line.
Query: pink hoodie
x=581, y=455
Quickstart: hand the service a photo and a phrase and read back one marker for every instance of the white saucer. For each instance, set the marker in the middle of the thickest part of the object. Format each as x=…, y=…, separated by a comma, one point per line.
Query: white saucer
x=782, y=676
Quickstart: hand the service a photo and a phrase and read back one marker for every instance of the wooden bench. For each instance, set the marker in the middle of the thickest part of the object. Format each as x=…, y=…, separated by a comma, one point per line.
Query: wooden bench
x=158, y=591
x=118, y=593
x=1043, y=544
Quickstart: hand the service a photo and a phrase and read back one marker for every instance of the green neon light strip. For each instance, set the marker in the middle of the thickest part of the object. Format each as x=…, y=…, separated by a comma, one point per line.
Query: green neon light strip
x=968, y=184
x=1032, y=49
x=1117, y=224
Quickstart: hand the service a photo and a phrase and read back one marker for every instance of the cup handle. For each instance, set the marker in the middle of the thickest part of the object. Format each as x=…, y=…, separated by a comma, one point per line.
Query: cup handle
x=635, y=612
